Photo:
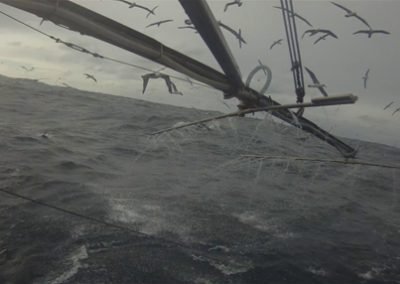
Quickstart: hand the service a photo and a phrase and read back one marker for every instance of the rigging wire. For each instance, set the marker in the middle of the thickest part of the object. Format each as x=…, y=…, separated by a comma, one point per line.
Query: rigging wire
x=294, y=48
x=84, y=50
x=194, y=250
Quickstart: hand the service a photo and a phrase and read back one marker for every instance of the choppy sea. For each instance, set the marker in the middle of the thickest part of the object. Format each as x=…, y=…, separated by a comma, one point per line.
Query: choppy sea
x=204, y=213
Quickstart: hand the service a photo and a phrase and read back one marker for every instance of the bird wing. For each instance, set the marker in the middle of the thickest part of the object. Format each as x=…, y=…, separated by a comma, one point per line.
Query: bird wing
x=301, y=18
x=396, y=111
x=282, y=9
x=365, y=83
x=361, y=32
x=308, y=31
x=362, y=20
x=272, y=45
x=320, y=38
x=145, y=82
x=126, y=2
x=312, y=75
x=329, y=33
x=166, y=21
x=142, y=7
x=153, y=24
x=340, y=6
x=323, y=91
x=151, y=12
x=168, y=82
x=381, y=32
x=227, y=5
x=228, y=29
x=94, y=79
x=187, y=27
x=366, y=74
x=388, y=105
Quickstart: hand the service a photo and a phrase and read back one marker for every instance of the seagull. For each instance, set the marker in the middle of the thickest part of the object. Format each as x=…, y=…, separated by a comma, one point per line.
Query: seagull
x=371, y=31
x=237, y=35
x=68, y=86
x=321, y=38
x=388, y=105
x=316, y=84
x=315, y=31
x=235, y=2
x=398, y=109
x=147, y=77
x=159, y=23
x=133, y=5
x=279, y=41
x=295, y=15
x=175, y=90
x=365, y=79
x=27, y=70
x=351, y=14
x=224, y=103
x=188, y=22
x=88, y=76
x=262, y=65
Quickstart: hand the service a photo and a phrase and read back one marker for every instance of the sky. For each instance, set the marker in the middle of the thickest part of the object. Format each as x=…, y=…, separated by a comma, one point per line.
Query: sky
x=338, y=63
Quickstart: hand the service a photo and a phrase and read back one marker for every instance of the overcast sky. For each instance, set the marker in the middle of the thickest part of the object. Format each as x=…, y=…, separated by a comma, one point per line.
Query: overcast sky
x=338, y=63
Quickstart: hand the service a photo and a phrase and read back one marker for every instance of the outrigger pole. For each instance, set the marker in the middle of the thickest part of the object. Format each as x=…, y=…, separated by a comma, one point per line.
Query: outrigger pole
x=74, y=17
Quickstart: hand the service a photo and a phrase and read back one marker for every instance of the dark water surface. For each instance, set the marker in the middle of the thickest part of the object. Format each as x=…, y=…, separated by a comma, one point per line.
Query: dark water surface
x=239, y=220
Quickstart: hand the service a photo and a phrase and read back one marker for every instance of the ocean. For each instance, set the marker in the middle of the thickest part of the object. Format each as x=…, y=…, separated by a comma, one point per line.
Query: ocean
x=203, y=214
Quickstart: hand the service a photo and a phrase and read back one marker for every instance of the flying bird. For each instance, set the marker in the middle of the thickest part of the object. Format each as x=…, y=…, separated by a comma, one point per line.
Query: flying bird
x=159, y=23
x=133, y=5
x=68, y=86
x=279, y=41
x=316, y=84
x=351, y=14
x=27, y=70
x=398, y=109
x=321, y=38
x=224, y=103
x=235, y=2
x=315, y=31
x=263, y=68
x=149, y=76
x=237, y=35
x=371, y=31
x=388, y=105
x=88, y=76
x=295, y=15
x=365, y=78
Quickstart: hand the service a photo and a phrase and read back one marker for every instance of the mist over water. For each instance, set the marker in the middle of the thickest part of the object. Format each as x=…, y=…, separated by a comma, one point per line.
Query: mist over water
x=240, y=220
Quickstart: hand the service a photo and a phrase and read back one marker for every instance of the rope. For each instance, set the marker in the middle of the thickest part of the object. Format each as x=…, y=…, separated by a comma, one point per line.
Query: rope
x=323, y=160
x=294, y=49
x=252, y=110
x=177, y=243
x=288, y=41
x=298, y=46
x=84, y=50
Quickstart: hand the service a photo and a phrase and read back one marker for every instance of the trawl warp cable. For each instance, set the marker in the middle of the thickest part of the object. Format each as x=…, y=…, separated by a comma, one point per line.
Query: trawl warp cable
x=84, y=50
x=192, y=250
